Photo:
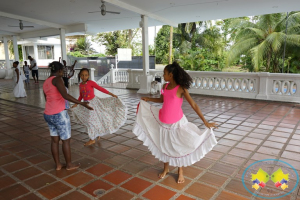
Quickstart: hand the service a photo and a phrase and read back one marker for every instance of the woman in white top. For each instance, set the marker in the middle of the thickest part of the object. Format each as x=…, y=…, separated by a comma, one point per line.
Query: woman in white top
x=19, y=90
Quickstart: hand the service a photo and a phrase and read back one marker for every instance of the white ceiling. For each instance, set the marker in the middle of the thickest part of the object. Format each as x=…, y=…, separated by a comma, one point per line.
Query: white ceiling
x=71, y=12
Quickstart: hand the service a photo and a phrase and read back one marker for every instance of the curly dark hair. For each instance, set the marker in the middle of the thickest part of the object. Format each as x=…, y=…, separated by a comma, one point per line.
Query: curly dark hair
x=55, y=66
x=180, y=76
x=83, y=69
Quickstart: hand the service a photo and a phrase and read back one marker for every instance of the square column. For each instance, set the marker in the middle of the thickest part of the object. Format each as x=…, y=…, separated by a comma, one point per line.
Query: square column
x=145, y=80
x=63, y=44
x=16, y=50
x=8, y=70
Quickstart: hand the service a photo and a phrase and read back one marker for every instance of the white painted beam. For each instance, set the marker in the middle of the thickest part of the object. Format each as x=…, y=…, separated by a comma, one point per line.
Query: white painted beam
x=2, y=32
x=129, y=7
x=27, y=19
x=53, y=31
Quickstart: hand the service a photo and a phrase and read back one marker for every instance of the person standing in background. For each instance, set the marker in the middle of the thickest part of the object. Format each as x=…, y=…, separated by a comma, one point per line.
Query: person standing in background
x=67, y=70
x=34, y=69
x=26, y=71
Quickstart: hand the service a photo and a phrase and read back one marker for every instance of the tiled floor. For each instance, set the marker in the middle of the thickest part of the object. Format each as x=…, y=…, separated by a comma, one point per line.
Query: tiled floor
x=120, y=167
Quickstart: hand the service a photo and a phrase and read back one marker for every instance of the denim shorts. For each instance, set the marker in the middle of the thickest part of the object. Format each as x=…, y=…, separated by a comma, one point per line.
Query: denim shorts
x=59, y=124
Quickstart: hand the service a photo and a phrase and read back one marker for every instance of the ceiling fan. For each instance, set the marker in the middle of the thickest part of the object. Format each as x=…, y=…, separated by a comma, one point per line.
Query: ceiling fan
x=21, y=25
x=103, y=9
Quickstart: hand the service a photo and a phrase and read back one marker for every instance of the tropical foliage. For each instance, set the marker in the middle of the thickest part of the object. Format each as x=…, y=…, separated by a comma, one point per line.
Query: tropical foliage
x=84, y=46
x=268, y=43
x=263, y=39
x=120, y=39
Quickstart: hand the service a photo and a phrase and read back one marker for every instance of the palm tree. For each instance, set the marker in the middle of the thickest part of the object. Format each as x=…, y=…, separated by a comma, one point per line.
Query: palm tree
x=84, y=46
x=263, y=37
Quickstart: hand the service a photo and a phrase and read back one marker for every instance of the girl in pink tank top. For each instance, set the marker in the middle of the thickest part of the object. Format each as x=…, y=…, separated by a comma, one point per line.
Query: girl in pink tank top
x=57, y=117
x=166, y=131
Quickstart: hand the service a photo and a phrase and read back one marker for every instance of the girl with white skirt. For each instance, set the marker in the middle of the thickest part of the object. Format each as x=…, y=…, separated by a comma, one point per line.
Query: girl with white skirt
x=166, y=132
x=19, y=90
x=109, y=114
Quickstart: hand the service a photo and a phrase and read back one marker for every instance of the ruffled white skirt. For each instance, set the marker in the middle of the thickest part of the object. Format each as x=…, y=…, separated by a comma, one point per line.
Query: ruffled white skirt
x=108, y=116
x=19, y=90
x=181, y=144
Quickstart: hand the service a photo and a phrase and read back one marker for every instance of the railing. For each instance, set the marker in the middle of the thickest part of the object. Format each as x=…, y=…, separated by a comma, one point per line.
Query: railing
x=263, y=85
x=44, y=73
x=106, y=79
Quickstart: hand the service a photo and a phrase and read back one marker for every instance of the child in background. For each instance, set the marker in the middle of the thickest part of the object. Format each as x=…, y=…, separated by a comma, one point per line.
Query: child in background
x=26, y=71
x=167, y=132
x=109, y=114
x=57, y=117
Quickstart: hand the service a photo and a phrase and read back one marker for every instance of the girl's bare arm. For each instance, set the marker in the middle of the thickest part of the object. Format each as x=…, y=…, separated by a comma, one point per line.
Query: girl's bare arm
x=156, y=100
x=196, y=108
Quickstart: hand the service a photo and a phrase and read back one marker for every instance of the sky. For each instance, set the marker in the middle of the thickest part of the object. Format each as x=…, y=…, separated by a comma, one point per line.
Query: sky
x=151, y=34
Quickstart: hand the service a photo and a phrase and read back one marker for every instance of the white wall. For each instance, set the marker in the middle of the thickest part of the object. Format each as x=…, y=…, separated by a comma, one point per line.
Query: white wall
x=43, y=62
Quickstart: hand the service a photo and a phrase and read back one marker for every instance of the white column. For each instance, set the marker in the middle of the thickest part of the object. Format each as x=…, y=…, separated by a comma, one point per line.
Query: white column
x=63, y=44
x=8, y=71
x=16, y=50
x=93, y=74
x=145, y=81
x=36, y=54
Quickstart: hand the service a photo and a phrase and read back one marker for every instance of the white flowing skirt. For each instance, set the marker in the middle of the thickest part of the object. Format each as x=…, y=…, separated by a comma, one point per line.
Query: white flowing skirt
x=19, y=90
x=181, y=144
x=108, y=116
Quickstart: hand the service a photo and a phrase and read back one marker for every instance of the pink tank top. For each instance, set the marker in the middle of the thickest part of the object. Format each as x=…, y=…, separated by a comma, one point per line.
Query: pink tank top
x=171, y=111
x=55, y=103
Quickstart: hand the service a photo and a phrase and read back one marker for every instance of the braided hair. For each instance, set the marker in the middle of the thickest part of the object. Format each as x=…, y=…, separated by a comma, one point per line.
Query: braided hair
x=180, y=76
x=55, y=66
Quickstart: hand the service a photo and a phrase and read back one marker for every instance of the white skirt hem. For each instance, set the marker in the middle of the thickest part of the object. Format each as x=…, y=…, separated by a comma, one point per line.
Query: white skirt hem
x=182, y=161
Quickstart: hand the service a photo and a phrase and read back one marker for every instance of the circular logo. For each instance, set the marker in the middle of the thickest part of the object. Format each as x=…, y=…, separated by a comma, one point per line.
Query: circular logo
x=270, y=178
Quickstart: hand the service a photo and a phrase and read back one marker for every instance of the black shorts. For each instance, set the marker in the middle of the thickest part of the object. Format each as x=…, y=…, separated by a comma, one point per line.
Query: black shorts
x=35, y=73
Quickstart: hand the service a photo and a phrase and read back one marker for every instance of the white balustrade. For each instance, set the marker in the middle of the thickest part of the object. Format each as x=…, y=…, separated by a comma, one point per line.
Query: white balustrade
x=263, y=85
x=44, y=73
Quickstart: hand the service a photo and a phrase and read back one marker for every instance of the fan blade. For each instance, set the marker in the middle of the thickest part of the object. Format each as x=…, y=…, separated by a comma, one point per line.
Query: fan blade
x=29, y=26
x=13, y=26
x=112, y=12
x=95, y=11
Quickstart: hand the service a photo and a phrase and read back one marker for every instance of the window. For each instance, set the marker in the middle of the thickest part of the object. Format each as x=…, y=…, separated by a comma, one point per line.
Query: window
x=45, y=52
x=29, y=51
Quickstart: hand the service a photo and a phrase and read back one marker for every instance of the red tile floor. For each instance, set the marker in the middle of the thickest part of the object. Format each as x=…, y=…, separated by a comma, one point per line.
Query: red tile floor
x=120, y=167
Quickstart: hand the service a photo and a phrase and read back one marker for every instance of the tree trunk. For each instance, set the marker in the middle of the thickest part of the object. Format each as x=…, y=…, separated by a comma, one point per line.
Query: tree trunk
x=129, y=37
x=171, y=44
x=269, y=60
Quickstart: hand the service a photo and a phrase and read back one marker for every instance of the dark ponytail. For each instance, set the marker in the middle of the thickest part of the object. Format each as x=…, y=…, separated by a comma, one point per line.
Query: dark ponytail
x=179, y=75
x=55, y=66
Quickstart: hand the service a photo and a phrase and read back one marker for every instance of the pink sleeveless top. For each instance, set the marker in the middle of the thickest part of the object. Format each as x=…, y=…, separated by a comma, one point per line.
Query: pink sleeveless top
x=171, y=111
x=55, y=103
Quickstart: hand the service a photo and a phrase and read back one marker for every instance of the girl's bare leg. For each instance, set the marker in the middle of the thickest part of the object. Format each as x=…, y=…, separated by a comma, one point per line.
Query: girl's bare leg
x=180, y=175
x=55, y=151
x=67, y=153
x=166, y=170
